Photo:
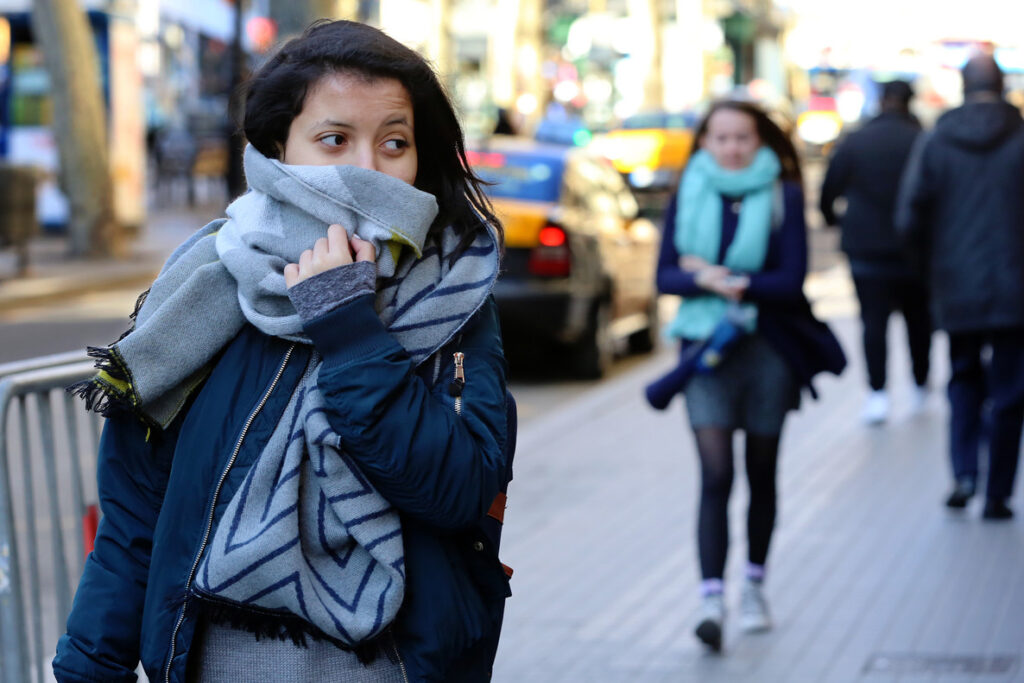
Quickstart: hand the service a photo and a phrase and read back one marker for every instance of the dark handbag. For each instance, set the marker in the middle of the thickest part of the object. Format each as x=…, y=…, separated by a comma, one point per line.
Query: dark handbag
x=807, y=344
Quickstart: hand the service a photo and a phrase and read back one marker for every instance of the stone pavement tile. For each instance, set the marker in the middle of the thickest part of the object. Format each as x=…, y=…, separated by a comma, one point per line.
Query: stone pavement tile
x=52, y=274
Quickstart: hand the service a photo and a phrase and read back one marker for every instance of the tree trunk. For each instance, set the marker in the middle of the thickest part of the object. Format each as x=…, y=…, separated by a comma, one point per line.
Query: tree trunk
x=63, y=34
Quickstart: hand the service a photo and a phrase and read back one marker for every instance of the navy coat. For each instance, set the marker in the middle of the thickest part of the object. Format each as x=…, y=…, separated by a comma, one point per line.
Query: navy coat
x=961, y=205
x=163, y=493
x=866, y=169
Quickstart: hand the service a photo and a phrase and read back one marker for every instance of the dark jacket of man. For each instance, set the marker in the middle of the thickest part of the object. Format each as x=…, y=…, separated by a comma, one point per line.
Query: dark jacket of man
x=866, y=169
x=962, y=200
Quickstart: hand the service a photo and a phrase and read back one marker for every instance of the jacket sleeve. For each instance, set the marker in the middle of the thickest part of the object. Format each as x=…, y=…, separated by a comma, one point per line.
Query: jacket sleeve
x=671, y=279
x=103, y=629
x=834, y=185
x=429, y=462
x=784, y=280
x=913, y=202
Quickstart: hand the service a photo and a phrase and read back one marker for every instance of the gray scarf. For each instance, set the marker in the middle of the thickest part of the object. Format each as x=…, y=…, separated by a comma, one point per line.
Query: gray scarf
x=306, y=536
x=232, y=271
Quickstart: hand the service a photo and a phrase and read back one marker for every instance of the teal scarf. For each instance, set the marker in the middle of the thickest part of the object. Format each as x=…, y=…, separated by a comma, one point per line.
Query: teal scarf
x=699, y=231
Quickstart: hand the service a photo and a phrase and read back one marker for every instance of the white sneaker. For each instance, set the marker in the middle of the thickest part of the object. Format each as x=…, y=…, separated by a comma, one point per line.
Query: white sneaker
x=918, y=400
x=754, y=608
x=876, y=408
x=712, y=616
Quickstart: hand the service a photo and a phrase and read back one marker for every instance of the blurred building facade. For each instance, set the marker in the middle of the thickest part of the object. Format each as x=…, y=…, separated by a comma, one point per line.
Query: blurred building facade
x=167, y=66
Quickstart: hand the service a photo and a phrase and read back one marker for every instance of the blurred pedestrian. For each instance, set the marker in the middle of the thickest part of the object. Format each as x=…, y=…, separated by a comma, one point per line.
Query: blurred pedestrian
x=962, y=203
x=302, y=442
x=735, y=247
x=503, y=124
x=865, y=170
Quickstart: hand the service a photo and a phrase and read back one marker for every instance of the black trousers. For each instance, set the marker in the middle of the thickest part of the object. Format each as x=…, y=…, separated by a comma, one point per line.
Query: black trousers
x=879, y=297
x=987, y=373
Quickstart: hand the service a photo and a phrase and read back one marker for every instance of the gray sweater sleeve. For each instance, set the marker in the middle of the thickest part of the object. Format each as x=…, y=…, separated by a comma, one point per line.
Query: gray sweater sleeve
x=326, y=291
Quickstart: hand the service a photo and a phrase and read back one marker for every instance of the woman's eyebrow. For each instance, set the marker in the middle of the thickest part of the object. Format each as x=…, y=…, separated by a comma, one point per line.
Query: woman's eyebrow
x=398, y=120
x=330, y=123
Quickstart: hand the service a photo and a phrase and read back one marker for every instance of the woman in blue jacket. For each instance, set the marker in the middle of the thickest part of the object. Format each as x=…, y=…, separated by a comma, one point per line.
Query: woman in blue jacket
x=308, y=425
x=735, y=245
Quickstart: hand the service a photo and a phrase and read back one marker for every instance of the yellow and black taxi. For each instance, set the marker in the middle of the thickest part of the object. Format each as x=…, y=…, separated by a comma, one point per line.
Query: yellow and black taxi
x=579, y=262
x=650, y=150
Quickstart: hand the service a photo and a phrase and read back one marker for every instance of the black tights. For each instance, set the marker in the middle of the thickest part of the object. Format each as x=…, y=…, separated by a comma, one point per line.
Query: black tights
x=714, y=444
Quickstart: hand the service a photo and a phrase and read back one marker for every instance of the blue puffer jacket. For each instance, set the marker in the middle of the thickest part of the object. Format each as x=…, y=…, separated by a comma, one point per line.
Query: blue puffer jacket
x=163, y=494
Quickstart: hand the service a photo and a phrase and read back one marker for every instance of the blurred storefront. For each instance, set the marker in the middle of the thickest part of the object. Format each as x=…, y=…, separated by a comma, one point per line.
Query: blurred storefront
x=166, y=76
x=908, y=40
x=26, y=136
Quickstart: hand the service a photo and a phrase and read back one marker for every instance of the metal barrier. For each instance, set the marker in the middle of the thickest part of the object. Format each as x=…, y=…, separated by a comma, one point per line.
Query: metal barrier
x=43, y=501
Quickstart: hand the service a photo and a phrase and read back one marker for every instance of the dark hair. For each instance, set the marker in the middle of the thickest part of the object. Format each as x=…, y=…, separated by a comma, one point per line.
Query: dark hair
x=897, y=91
x=276, y=93
x=769, y=132
x=981, y=73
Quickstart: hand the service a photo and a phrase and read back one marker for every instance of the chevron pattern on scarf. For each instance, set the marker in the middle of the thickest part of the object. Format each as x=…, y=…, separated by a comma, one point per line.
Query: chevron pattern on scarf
x=307, y=535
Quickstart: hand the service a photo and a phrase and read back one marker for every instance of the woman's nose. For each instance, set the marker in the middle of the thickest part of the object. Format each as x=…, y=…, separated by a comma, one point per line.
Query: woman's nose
x=365, y=158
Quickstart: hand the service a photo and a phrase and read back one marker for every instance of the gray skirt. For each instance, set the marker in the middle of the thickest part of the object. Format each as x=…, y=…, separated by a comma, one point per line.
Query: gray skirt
x=752, y=390
x=227, y=655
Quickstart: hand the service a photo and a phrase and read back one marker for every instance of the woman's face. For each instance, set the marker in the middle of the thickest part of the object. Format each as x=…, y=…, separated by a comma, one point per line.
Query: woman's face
x=731, y=139
x=348, y=120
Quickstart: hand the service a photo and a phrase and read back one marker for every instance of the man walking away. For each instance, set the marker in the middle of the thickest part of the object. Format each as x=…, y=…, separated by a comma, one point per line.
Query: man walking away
x=865, y=169
x=962, y=200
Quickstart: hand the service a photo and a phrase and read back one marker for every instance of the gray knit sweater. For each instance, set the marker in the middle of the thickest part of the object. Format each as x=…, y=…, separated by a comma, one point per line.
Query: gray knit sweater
x=227, y=655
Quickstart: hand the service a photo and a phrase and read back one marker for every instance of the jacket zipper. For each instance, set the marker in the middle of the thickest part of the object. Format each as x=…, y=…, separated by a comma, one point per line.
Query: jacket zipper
x=213, y=505
x=398, y=656
x=460, y=381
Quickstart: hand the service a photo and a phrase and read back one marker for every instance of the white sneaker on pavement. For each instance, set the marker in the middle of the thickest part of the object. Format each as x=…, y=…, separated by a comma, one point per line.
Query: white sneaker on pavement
x=918, y=400
x=876, y=408
x=754, y=608
x=712, y=616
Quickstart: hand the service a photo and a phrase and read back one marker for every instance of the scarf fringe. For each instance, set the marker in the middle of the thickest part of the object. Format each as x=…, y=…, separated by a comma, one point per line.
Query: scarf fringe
x=101, y=396
x=134, y=316
x=278, y=626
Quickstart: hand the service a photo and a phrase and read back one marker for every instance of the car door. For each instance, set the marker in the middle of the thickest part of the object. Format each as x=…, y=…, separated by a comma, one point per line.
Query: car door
x=629, y=245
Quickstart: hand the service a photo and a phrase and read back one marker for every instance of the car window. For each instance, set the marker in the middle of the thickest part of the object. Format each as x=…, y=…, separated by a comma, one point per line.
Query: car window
x=606, y=191
x=519, y=176
x=602, y=196
x=574, y=186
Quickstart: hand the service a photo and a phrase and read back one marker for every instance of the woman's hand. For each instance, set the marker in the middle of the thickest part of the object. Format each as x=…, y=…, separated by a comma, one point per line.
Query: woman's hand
x=337, y=249
x=693, y=264
x=723, y=282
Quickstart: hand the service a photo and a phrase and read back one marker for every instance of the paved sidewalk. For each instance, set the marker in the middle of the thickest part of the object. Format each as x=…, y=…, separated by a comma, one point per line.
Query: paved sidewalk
x=870, y=579
x=53, y=275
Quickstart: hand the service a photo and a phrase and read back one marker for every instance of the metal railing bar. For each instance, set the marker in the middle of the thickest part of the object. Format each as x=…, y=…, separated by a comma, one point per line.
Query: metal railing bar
x=43, y=379
x=77, y=482
x=94, y=421
x=60, y=565
x=19, y=366
x=12, y=610
x=30, y=545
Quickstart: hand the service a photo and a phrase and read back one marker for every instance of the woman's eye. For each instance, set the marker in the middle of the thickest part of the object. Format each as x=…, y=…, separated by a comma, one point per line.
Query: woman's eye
x=333, y=140
x=395, y=145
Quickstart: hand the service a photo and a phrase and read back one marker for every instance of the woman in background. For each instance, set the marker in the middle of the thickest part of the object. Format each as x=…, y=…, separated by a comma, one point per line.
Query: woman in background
x=735, y=243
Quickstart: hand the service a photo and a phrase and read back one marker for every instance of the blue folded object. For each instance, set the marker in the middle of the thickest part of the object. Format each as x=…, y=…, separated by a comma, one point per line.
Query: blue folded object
x=702, y=357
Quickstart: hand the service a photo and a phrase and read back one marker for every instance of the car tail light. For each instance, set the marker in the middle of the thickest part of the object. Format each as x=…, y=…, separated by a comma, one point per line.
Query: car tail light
x=551, y=236
x=551, y=258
